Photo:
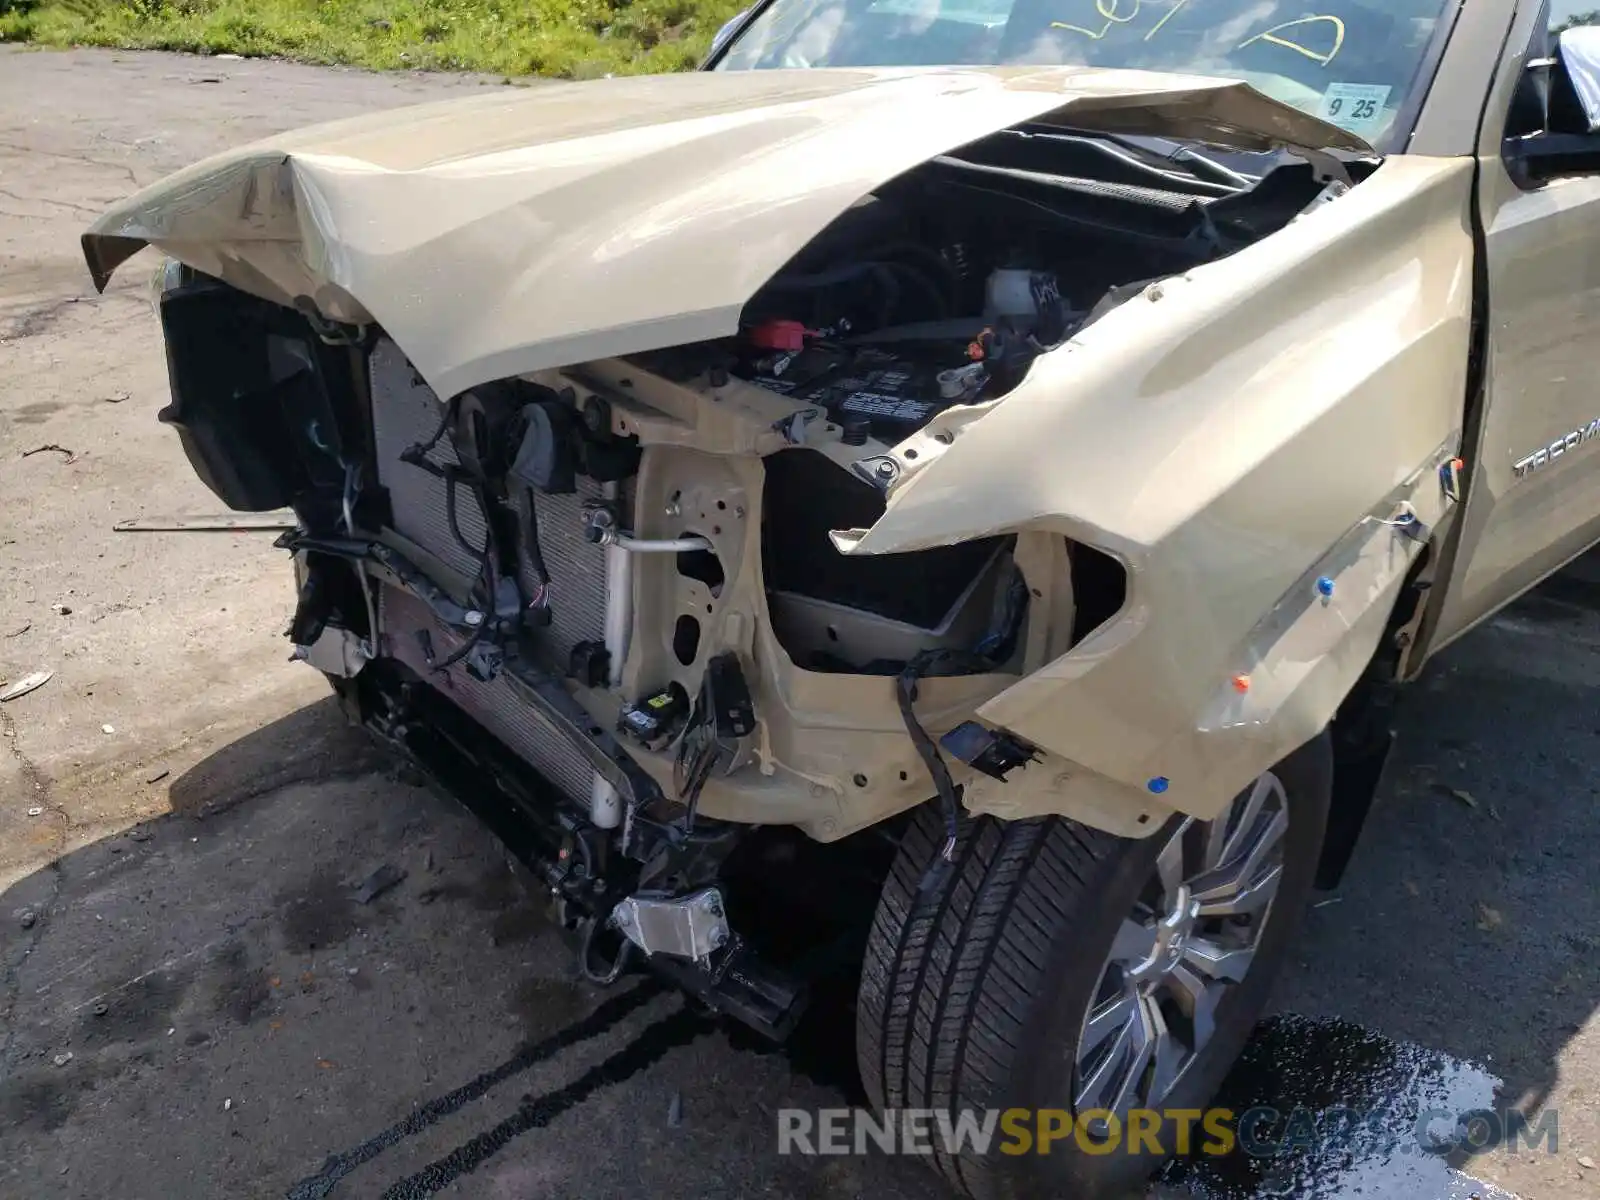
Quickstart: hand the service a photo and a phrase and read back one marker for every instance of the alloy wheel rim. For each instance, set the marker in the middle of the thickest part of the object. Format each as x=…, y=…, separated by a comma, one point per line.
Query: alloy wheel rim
x=1189, y=940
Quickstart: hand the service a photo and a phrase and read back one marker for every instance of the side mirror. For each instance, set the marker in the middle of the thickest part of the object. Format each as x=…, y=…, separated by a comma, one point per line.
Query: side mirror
x=727, y=31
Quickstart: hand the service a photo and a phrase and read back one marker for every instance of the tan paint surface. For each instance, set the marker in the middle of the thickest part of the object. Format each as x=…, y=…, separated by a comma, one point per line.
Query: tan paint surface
x=1520, y=525
x=1541, y=267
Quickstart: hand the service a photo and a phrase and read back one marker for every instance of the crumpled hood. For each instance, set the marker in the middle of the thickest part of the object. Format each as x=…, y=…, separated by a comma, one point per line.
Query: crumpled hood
x=533, y=228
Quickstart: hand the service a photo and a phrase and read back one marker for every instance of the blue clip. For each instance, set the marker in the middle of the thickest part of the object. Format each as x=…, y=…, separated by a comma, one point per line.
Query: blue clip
x=1414, y=529
x=1407, y=523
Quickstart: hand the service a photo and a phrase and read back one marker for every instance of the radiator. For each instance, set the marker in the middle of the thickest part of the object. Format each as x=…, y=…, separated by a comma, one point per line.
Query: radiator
x=494, y=705
x=405, y=411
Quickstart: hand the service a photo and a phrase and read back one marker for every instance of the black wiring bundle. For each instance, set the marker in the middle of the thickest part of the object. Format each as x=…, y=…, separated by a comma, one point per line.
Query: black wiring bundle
x=417, y=456
x=699, y=751
x=989, y=653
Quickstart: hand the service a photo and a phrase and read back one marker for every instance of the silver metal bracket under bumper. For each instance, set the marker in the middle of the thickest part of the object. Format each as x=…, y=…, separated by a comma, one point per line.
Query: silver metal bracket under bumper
x=692, y=927
x=336, y=652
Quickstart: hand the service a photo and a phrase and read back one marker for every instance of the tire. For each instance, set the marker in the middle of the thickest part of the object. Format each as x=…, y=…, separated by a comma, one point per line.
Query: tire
x=974, y=997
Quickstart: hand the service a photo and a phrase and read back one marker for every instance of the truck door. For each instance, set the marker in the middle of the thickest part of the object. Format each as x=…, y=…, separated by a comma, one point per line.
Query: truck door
x=1534, y=499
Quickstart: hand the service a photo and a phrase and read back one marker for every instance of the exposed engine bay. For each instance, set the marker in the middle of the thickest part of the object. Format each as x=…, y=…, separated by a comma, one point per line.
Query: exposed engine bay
x=609, y=597
x=944, y=287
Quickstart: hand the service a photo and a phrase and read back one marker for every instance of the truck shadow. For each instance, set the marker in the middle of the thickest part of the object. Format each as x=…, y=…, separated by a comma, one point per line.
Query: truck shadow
x=1469, y=921
x=314, y=743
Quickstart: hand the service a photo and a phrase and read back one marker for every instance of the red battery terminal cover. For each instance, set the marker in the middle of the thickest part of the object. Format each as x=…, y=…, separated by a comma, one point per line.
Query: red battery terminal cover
x=788, y=336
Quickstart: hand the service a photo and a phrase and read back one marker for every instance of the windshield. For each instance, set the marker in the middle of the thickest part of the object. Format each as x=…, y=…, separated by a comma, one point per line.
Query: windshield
x=1352, y=62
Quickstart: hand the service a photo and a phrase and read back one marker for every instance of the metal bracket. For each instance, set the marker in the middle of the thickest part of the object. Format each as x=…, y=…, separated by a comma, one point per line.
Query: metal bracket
x=692, y=927
x=338, y=652
x=880, y=471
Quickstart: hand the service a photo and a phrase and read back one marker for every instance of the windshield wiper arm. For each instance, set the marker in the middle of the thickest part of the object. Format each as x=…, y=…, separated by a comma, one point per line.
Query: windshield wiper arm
x=1196, y=162
x=1204, y=164
x=1193, y=168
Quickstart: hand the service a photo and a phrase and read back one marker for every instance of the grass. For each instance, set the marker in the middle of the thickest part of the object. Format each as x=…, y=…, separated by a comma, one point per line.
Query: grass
x=563, y=39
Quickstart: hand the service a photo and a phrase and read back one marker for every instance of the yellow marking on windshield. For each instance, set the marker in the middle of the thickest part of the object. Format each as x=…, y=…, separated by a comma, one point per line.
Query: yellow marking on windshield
x=1108, y=10
x=1271, y=36
x=1161, y=23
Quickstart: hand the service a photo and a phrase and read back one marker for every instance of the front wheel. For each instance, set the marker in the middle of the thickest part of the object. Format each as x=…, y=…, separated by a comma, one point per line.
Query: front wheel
x=1059, y=967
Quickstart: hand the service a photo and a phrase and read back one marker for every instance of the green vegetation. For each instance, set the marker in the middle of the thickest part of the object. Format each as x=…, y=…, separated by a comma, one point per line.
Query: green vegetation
x=566, y=39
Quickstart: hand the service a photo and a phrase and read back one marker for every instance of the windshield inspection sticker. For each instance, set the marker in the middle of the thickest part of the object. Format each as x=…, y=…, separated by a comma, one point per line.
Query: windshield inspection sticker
x=1358, y=107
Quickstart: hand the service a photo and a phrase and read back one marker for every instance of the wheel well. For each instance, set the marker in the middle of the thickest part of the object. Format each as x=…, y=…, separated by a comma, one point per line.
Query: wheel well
x=1363, y=727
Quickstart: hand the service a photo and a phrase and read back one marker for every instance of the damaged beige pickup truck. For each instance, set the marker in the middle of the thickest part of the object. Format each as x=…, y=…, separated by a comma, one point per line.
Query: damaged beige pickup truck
x=947, y=494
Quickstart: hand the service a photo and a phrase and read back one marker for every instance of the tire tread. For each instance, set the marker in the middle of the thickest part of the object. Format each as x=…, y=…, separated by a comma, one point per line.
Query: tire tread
x=950, y=978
